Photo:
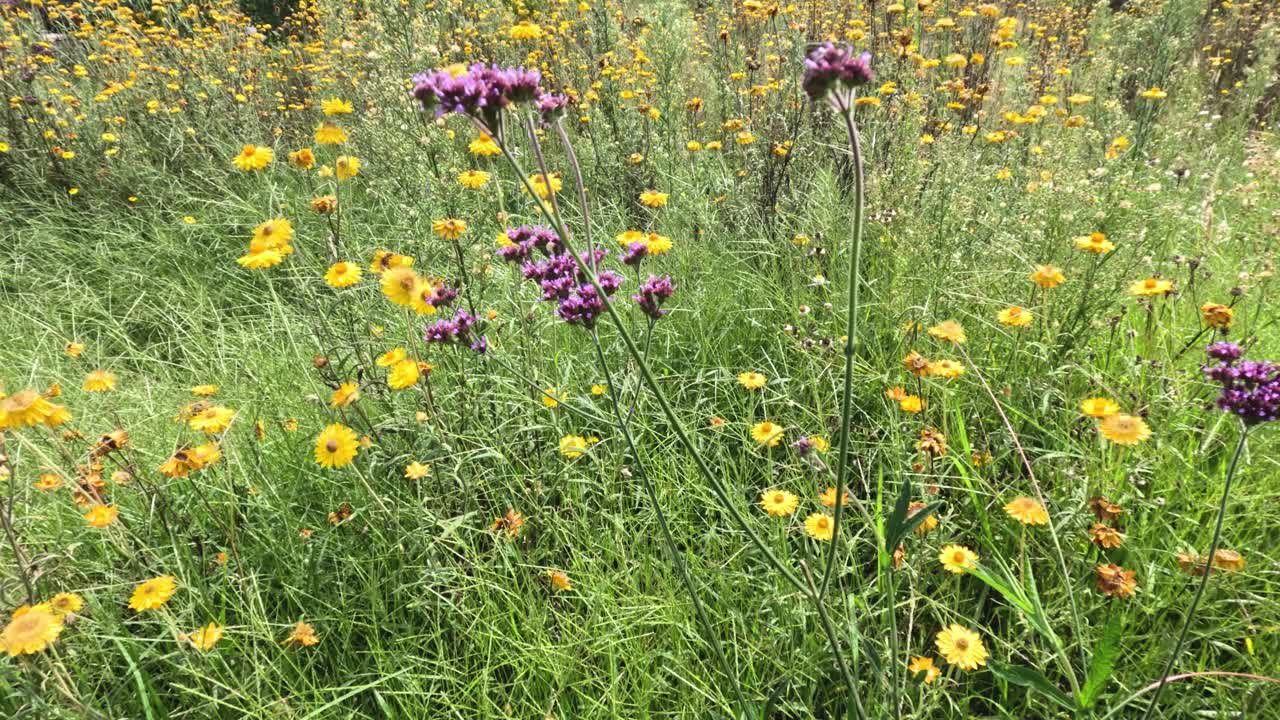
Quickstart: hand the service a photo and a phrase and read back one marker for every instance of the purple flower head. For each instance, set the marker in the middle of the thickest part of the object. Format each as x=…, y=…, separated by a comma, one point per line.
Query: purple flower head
x=551, y=107
x=1224, y=351
x=481, y=91
x=447, y=331
x=582, y=307
x=1250, y=389
x=480, y=345
x=829, y=65
x=803, y=446
x=653, y=293
x=634, y=254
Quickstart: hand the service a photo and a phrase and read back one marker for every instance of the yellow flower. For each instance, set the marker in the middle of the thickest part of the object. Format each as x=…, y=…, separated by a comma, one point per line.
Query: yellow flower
x=1216, y=315
x=961, y=647
x=274, y=234
x=302, y=635
x=1099, y=407
x=653, y=198
x=599, y=389
x=911, y=404
x=924, y=665
x=404, y=374
x=342, y=274
x=766, y=433
x=391, y=357
x=525, y=30
x=449, y=228
x=1027, y=511
x=957, y=559
x=399, y=284
x=206, y=637
x=73, y=349
x=385, y=260
x=484, y=146
x=346, y=394
x=1154, y=93
x=329, y=134
x=324, y=204
x=948, y=331
x=101, y=516
x=204, y=390
x=47, y=482
x=742, y=138
x=946, y=369
x=346, y=167
x=213, y=419
x=828, y=497
x=153, y=593
x=778, y=503
x=1047, y=276
x=573, y=446
x=549, y=398
x=336, y=446
x=752, y=380
x=1124, y=429
x=541, y=184
x=820, y=527
x=1015, y=317
x=1095, y=243
x=304, y=158
x=416, y=470
x=253, y=157
x=473, y=179
x=334, y=106
x=65, y=603
x=559, y=580
x=99, y=381
x=32, y=631
x=1151, y=287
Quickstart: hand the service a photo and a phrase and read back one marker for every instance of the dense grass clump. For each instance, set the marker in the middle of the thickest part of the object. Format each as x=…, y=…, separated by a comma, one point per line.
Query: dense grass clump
x=480, y=359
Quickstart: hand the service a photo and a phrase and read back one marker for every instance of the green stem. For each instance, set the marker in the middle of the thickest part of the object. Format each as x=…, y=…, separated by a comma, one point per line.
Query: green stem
x=846, y=402
x=1204, y=578
x=676, y=558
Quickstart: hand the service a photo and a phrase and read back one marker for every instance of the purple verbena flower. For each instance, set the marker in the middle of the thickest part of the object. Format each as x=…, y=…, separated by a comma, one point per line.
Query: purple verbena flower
x=653, y=293
x=829, y=65
x=1250, y=389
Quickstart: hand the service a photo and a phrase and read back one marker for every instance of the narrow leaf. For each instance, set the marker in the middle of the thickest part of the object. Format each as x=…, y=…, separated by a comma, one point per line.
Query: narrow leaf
x=1034, y=680
x=1104, y=659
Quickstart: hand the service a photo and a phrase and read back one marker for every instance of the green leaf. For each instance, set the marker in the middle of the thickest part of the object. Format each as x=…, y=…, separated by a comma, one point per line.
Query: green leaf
x=914, y=522
x=1034, y=680
x=898, y=518
x=1104, y=659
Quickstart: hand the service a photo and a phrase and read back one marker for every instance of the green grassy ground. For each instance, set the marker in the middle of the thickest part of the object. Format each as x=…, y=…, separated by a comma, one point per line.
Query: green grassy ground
x=423, y=610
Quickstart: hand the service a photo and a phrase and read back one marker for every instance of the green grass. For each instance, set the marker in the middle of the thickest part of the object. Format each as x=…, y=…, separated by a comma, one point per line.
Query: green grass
x=424, y=611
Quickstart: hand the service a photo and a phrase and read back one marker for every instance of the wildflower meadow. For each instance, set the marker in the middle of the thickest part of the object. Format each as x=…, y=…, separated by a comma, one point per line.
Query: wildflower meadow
x=557, y=359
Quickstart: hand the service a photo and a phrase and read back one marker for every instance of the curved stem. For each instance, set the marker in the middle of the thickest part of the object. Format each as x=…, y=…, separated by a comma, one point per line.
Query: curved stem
x=676, y=558
x=1204, y=579
x=846, y=402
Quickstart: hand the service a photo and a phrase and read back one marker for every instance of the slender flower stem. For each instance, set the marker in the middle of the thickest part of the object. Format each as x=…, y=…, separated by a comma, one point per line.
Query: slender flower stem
x=1204, y=578
x=717, y=484
x=676, y=558
x=846, y=402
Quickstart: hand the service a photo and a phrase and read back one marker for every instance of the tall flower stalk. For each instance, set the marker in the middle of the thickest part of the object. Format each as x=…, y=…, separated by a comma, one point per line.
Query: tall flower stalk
x=480, y=93
x=1251, y=391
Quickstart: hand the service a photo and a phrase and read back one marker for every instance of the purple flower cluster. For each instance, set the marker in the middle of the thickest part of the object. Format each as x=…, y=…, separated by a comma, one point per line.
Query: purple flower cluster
x=562, y=279
x=654, y=292
x=456, y=330
x=482, y=91
x=634, y=253
x=829, y=65
x=551, y=107
x=526, y=239
x=1250, y=388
